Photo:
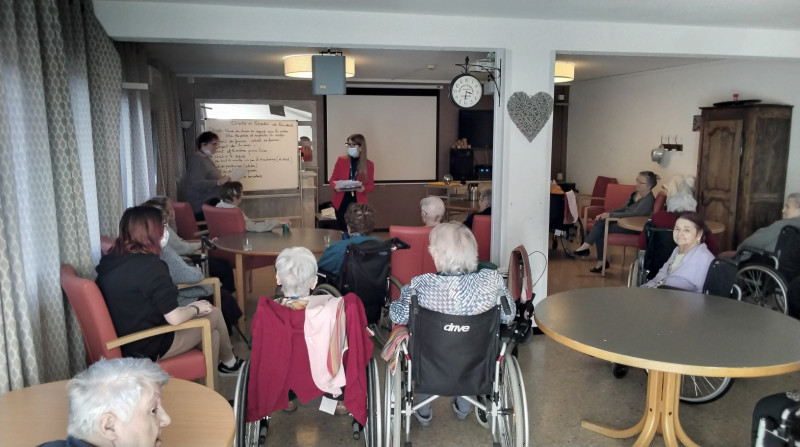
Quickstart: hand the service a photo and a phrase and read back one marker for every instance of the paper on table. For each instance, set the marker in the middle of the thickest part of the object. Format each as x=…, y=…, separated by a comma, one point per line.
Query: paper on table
x=348, y=184
x=237, y=173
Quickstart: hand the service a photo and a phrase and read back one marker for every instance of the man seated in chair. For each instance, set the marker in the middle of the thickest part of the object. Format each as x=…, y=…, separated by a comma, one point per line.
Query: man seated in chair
x=431, y=211
x=360, y=219
x=765, y=238
x=116, y=402
x=458, y=288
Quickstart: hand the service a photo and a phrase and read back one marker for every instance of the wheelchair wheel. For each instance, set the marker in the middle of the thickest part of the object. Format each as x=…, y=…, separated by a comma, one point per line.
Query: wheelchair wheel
x=393, y=405
x=383, y=328
x=246, y=434
x=762, y=286
x=323, y=289
x=372, y=431
x=702, y=390
x=513, y=417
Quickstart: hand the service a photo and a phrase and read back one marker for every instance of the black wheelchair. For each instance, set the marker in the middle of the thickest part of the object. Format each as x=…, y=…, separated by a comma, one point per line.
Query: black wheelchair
x=257, y=396
x=764, y=277
x=366, y=271
x=570, y=234
x=469, y=357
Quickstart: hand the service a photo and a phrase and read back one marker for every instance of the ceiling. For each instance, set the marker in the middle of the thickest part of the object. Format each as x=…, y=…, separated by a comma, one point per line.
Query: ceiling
x=376, y=65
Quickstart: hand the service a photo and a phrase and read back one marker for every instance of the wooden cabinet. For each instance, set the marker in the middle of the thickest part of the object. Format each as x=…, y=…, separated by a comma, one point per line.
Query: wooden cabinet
x=741, y=169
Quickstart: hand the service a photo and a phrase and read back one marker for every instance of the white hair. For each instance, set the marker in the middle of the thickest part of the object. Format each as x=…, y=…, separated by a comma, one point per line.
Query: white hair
x=433, y=207
x=297, y=270
x=109, y=386
x=486, y=194
x=795, y=197
x=681, y=202
x=453, y=248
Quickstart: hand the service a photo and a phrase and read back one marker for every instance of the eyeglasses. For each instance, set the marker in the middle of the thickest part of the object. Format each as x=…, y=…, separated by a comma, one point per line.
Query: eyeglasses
x=351, y=144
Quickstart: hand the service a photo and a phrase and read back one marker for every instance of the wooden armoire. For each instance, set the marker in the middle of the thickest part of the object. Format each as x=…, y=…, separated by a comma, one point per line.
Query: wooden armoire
x=741, y=168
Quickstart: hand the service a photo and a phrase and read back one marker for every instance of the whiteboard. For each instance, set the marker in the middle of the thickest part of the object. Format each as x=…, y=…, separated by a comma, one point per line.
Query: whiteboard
x=401, y=133
x=266, y=148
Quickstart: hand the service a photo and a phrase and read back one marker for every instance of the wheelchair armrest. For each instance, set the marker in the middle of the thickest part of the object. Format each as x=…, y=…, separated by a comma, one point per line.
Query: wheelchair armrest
x=506, y=333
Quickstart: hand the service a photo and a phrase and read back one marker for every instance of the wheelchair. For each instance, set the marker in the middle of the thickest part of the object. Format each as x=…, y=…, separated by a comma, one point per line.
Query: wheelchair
x=570, y=235
x=260, y=392
x=366, y=272
x=468, y=359
x=764, y=277
x=720, y=281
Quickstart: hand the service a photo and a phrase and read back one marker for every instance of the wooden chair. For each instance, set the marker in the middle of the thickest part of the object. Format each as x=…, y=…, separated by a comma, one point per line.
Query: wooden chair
x=414, y=261
x=187, y=225
x=482, y=229
x=225, y=221
x=627, y=240
x=102, y=341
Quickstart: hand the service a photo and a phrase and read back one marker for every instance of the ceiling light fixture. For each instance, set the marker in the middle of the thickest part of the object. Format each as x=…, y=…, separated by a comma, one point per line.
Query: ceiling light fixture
x=299, y=66
x=565, y=71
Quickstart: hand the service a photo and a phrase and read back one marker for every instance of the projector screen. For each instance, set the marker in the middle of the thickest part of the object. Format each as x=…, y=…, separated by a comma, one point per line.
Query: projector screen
x=401, y=133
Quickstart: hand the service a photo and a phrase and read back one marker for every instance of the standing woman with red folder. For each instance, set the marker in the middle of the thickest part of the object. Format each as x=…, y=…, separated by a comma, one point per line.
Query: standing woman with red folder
x=353, y=166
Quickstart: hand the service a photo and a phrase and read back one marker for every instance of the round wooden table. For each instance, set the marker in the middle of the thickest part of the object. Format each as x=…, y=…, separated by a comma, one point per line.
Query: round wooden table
x=670, y=332
x=38, y=414
x=271, y=243
x=637, y=224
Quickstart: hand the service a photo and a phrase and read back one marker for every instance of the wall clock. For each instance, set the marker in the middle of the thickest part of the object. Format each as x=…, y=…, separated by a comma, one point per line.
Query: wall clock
x=465, y=90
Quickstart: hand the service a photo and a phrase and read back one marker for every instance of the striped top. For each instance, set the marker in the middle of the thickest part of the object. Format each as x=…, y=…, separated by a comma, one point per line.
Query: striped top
x=468, y=294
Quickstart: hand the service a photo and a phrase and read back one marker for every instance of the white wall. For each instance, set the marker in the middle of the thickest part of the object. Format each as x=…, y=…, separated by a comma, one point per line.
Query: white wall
x=522, y=169
x=615, y=122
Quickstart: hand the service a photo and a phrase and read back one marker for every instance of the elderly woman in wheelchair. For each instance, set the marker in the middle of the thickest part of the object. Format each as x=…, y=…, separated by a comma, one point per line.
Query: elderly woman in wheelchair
x=687, y=267
x=465, y=307
x=305, y=346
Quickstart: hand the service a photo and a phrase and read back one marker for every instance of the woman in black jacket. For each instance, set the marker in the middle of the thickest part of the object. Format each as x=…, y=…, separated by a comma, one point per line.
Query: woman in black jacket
x=140, y=295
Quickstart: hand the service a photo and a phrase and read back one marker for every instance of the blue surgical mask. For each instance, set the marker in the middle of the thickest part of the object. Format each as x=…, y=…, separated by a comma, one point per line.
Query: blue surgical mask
x=207, y=153
x=352, y=151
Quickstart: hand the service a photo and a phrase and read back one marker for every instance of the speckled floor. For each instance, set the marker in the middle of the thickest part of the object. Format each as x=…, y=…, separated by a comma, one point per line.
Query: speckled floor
x=563, y=387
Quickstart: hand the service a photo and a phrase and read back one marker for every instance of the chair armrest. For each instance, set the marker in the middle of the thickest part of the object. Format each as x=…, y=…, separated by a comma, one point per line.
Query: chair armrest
x=585, y=199
x=203, y=323
x=208, y=281
x=200, y=233
x=591, y=211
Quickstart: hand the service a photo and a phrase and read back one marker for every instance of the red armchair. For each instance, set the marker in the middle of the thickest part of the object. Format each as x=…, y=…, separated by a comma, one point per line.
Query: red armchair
x=615, y=197
x=598, y=193
x=628, y=240
x=482, y=229
x=102, y=341
x=414, y=261
x=187, y=225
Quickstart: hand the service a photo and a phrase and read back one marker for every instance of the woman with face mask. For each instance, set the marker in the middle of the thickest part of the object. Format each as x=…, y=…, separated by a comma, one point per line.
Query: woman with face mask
x=139, y=292
x=202, y=176
x=353, y=166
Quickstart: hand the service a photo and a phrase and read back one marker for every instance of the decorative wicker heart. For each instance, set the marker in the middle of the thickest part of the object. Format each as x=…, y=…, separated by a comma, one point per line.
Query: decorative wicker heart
x=530, y=113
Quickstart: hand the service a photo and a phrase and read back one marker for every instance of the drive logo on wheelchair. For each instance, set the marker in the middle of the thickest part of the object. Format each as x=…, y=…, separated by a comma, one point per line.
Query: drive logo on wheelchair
x=452, y=327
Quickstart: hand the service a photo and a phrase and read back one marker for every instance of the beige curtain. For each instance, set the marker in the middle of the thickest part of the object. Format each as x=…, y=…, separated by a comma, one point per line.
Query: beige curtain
x=59, y=177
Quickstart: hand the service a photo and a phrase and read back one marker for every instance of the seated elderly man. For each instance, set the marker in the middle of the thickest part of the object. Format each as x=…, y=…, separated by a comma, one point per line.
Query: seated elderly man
x=459, y=288
x=116, y=402
x=484, y=205
x=765, y=238
x=431, y=211
x=360, y=219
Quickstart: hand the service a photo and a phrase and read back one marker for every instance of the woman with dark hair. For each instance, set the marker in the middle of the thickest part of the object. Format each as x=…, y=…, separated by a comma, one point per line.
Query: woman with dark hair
x=640, y=203
x=360, y=220
x=139, y=293
x=353, y=166
x=686, y=269
x=202, y=176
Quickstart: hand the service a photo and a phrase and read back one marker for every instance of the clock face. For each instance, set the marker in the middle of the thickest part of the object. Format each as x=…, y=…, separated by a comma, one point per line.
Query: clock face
x=465, y=90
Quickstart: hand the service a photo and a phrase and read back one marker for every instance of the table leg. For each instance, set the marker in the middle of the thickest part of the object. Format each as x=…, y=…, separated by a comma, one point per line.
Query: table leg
x=240, y=289
x=661, y=414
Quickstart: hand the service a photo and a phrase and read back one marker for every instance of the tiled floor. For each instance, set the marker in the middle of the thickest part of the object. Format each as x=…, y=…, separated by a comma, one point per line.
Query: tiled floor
x=563, y=387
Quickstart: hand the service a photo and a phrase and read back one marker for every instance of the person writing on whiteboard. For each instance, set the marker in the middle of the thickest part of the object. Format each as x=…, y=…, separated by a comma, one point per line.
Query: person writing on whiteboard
x=202, y=176
x=353, y=167
x=231, y=195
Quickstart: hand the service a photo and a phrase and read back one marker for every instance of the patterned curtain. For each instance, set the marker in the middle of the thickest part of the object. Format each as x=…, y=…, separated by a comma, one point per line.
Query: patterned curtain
x=59, y=177
x=168, y=130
